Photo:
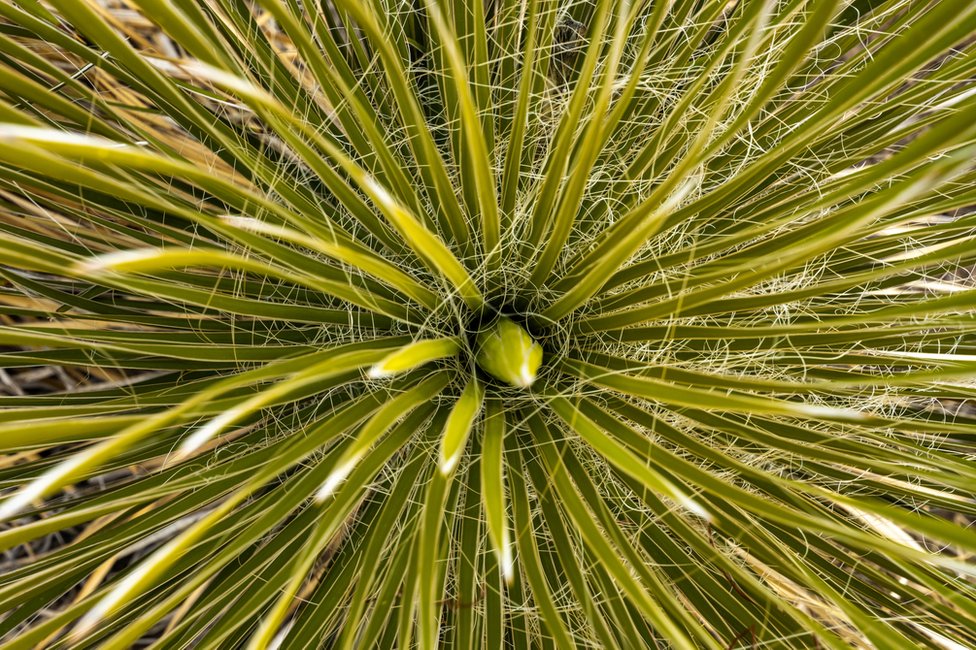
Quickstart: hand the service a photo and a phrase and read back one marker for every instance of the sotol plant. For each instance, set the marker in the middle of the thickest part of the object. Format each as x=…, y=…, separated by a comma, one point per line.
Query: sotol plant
x=527, y=323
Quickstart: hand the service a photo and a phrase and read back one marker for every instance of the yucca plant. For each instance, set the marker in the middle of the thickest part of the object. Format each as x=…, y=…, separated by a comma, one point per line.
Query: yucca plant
x=394, y=323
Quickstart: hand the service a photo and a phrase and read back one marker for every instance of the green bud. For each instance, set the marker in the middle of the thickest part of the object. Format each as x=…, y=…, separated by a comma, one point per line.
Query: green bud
x=507, y=352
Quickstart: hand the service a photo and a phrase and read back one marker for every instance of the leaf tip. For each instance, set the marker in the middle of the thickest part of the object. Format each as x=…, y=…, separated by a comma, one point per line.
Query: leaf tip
x=379, y=371
x=449, y=463
x=697, y=509
x=508, y=564
x=333, y=481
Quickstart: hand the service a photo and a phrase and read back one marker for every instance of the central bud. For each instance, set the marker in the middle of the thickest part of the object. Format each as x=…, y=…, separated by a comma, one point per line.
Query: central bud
x=507, y=352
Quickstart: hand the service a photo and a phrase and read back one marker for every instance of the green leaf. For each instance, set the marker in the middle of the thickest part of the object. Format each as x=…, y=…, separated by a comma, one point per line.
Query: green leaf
x=459, y=424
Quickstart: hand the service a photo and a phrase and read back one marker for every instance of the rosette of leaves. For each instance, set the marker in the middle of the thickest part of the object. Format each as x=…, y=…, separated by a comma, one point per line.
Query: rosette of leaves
x=304, y=237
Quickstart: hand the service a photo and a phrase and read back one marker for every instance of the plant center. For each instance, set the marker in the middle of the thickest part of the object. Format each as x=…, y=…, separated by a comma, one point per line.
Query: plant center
x=508, y=353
